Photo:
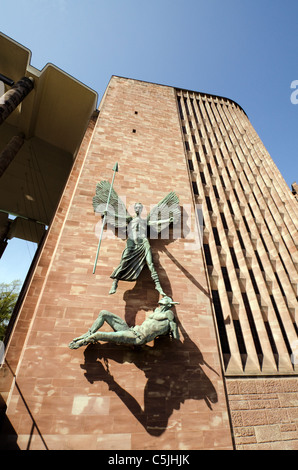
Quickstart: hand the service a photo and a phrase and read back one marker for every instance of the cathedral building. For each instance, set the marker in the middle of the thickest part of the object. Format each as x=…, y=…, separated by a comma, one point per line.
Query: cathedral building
x=230, y=262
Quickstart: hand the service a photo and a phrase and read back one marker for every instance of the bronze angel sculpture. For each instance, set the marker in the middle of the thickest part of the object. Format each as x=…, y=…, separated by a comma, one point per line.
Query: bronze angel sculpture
x=137, y=252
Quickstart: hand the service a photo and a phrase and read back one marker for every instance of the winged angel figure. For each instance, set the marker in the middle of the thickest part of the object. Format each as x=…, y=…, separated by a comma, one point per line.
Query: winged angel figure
x=137, y=252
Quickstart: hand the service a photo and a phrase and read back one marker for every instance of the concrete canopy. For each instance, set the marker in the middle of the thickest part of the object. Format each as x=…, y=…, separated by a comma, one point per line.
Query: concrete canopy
x=53, y=118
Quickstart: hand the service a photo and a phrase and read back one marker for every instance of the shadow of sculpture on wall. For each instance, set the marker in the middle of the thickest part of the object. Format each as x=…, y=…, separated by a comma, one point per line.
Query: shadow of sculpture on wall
x=174, y=374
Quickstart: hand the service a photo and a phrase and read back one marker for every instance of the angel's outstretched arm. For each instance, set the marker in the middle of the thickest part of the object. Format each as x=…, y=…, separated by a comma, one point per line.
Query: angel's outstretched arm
x=161, y=221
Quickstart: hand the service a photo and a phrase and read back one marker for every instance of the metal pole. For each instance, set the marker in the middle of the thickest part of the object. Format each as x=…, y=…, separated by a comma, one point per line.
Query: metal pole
x=115, y=169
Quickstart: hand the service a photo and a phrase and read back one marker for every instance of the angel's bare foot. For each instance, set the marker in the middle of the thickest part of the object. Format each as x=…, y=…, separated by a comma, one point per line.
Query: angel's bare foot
x=78, y=342
x=114, y=287
x=159, y=289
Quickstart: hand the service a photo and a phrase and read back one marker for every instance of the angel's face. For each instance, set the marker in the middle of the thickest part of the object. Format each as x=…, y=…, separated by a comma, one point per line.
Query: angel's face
x=138, y=208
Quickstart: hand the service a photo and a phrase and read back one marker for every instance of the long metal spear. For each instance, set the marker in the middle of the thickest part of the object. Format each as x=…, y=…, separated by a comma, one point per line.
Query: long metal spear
x=115, y=170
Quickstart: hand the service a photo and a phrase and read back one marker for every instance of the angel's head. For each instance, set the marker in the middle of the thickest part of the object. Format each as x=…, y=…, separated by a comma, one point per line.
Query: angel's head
x=138, y=207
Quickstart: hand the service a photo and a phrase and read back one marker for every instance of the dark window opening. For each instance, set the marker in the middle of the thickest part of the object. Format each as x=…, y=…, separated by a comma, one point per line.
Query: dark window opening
x=236, y=195
x=203, y=177
x=281, y=325
x=265, y=246
x=230, y=206
x=280, y=285
x=226, y=279
x=208, y=255
x=215, y=192
x=240, y=240
x=224, y=222
x=234, y=257
x=198, y=157
x=246, y=224
x=220, y=323
x=283, y=265
x=251, y=211
x=216, y=236
x=222, y=181
x=268, y=227
x=208, y=202
x=193, y=109
x=271, y=339
x=259, y=260
x=256, y=199
x=239, y=336
x=180, y=108
x=252, y=325
x=186, y=106
x=190, y=165
x=253, y=280
x=195, y=188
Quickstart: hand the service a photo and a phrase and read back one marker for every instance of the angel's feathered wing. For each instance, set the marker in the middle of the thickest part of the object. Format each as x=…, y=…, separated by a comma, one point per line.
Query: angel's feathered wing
x=160, y=214
x=117, y=214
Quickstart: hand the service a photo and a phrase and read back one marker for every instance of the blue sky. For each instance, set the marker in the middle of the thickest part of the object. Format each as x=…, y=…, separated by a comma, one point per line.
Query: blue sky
x=245, y=50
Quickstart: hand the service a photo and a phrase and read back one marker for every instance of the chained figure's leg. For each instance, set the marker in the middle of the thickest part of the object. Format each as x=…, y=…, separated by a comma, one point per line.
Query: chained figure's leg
x=114, y=286
x=117, y=337
x=104, y=316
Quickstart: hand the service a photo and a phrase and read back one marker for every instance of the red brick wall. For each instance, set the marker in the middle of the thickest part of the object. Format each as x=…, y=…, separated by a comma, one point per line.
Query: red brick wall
x=264, y=413
x=167, y=396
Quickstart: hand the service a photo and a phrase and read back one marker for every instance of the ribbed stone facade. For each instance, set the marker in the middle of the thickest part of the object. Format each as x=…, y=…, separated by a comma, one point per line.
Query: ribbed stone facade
x=250, y=235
